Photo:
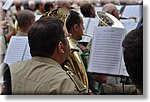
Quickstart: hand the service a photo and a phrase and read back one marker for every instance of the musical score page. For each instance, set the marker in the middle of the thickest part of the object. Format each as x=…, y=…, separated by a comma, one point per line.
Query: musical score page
x=27, y=54
x=106, y=51
x=16, y=49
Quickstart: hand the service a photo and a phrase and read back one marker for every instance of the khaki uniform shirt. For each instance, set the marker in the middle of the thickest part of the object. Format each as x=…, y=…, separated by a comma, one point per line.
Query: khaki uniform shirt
x=41, y=75
x=3, y=45
x=19, y=33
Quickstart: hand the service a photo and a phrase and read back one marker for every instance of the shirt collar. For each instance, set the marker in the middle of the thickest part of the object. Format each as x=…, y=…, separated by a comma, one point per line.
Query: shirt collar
x=46, y=60
x=75, y=41
x=19, y=33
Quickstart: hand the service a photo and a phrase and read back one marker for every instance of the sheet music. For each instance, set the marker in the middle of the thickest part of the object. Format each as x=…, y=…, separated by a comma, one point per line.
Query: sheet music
x=7, y=4
x=37, y=17
x=93, y=22
x=86, y=38
x=16, y=49
x=27, y=54
x=106, y=52
x=85, y=23
x=123, y=70
x=133, y=11
x=89, y=24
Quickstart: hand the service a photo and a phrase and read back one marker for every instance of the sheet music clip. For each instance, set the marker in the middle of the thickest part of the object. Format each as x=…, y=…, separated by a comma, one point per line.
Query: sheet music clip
x=123, y=80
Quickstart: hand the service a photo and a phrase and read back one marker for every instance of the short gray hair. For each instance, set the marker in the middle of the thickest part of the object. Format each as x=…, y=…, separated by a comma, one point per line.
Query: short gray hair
x=109, y=8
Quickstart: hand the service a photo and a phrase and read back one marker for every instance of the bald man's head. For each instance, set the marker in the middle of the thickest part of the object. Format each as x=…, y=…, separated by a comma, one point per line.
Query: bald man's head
x=112, y=9
x=25, y=18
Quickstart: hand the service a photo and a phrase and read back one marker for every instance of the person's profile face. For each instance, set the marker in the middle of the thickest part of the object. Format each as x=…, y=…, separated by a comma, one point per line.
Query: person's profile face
x=116, y=14
x=80, y=29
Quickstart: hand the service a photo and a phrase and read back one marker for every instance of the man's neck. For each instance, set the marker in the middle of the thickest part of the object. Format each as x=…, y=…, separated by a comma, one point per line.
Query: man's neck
x=24, y=30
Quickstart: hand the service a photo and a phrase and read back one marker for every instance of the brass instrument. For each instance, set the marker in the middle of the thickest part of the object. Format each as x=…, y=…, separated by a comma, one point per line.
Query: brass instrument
x=15, y=26
x=106, y=19
x=74, y=62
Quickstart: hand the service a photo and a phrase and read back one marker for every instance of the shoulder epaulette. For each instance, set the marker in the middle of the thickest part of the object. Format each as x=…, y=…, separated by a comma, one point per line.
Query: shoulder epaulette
x=80, y=86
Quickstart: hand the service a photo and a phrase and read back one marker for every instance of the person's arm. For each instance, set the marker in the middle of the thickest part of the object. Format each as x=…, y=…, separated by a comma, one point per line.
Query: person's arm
x=11, y=33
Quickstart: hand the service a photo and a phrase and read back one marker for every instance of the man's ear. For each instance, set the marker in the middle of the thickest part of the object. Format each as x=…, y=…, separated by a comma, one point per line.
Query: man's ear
x=91, y=10
x=61, y=47
x=75, y=27
x=32, y=21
